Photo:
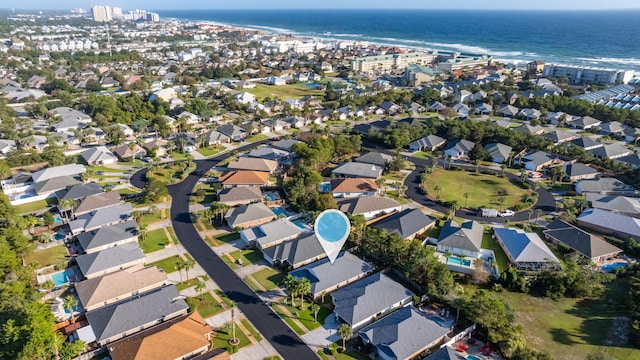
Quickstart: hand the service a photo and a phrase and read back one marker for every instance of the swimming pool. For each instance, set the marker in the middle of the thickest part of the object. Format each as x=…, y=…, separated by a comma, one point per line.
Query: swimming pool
x=612, y=266
x=269, y=197
x=325, y=187
x=62, y=277
x=457, y=261
x=279, y=211
x=332, y=226
x=301, y=224
x=57, y=219
x=57, y=236
x=473, y=357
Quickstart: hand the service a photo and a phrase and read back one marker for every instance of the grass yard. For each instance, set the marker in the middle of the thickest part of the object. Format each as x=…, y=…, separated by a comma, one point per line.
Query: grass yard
x=256, y=137
x=212, y=150
x=288, y=319
x=269, y=278
x=482, y=189
x=155, y=240
x=284, y=91
x=227, y=238
x=148, y=218
x=571, y=329
x=252, y=284
x=256, y=335
x=222, y=340
x=421, y=155
x=128, y=191
x=488, y=242
x=305, y=316
x=35, y=205
x=224, y=298
x=46, y=257
x=168, y=264
x=248, y=257
x=187, y=284
x=206, y=307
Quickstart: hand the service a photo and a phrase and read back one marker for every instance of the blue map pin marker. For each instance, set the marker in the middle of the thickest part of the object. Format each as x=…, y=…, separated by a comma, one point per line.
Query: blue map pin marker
x=332, y=230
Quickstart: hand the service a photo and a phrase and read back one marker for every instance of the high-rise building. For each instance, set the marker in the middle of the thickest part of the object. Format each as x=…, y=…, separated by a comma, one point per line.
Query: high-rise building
x=138, y=14
x=153, y=17
x=101, y=13
x=116, y=12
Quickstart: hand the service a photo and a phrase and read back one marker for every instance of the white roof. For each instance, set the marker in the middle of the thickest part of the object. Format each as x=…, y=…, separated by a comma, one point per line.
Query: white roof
x=58, y=171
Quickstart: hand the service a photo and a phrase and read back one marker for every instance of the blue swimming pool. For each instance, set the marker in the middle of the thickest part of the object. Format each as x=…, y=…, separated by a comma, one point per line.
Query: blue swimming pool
x=612, y=266
x=473, y=357
x=279, y=211
x=75, y=308
x=332, y=226
x=457, y=261
x=325, y=187
x=57, y=236
x=57, y=219
x=62, y=277
x=269, y=197
x=301, y=224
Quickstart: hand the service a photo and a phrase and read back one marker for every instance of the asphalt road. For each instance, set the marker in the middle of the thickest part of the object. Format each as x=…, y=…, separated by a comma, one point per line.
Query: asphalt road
x=281, y=337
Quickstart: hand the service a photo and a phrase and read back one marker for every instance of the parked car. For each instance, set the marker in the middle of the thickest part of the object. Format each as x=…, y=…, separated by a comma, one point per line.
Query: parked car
x=507, y=213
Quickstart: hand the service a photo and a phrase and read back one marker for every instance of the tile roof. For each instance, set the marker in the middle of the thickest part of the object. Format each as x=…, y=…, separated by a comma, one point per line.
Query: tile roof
x=256, y=164
x=353, y=185
x=244, y=177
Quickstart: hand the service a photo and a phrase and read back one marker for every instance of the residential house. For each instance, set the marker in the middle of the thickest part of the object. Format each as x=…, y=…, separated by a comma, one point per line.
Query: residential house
x=632, y=135
x=585, y=122
x=427, y=143
x=391, y=108
x=632, y=160
x=459, y=149
x=254, y=164
x=446, y=353
x=96, y=202
x=67, y=113
x=127, y=152
x=271, y=233
x=407, y=224
x=353, y=187
x=366, y=129
x=436, y=106
x=124, y=284
x=368, y=299
x=6, y=146
x=79, y=192
x=71, y=170
x=369, y=206
x=462, y=110
x=404, y=334
x=604, y=186
x=183, y=337
x=529, y=114
x=239, y=196
x=590, y=246
x=285, y=144
x=586, y=143
x=614, y=129
x=250, y=215
x=508, y=111
x=110, y=260
x=236, y=178
x=51, y=186
x=98, y=155
x=159, y=146
x=578, y=171
x=499, y=153
x=358, y=170
x=234, y=132
x=629, y=206
x=124, y=318
x=108, y=236
x=560, y=136
x=463, y=95
x=295, y=253
x=535, y=161
x=530, y=129
x=375, y=158
x=611, y=151
x=482, y=108
x=271, y=154
x=244, y=98
x=465, y=239
x=326, y=277
x=101, y=217
x=610, y=223
x=214, y=137
x=277, y=81
x=526, y=251
x=126, y=130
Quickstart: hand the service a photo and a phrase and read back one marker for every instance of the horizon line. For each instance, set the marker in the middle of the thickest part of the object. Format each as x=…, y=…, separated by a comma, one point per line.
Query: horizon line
x=373, y=8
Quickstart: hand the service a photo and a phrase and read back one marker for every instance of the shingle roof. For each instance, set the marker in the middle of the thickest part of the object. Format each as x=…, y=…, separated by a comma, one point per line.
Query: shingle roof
x=108, y=235
x=586, y=142
x=375, y=158
x=55, y=184
x=365, y=204
x=446, y=353
x=324, y=275
x=248, y=213
x=80, y=191
x=118, y=256
x=403, y=333
x=356, y=169
x=120, y=284
x=604, y=184
x=429, y=141
x=578, y=169
x=367, y=297
x=244, y=177
x=498, y=150
x=610, y=151
x=285, y=145
x=57, y=171
x=269, y=153
x=296, y=251
x=614, y=203
x=405, y=223
x=256, y=164
x=97, y=155
x=581, y=241
x=612, y=221
x=524, y=247
x=274, y=231
x=467, y=236
x=98, y=201
x=353, y=185
x=248, y=194
x=101, y=217
x=113, y=320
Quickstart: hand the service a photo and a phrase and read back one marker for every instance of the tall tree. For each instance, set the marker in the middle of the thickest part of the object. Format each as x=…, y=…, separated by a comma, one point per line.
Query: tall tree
x=345, y=332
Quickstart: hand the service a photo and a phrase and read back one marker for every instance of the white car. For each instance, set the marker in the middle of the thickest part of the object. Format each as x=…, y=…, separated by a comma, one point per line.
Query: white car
x=507, y=213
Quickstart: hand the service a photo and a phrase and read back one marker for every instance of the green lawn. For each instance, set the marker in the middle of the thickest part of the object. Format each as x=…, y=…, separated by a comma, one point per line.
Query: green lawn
x=212, y=150
x=187, y=284
x=421, y=155
x=256, y=335
x=105, y=169
x=227, y=238
x=156, y=240
x=222, y=340
x=288, y=319
x=35, y=205
x=488, y=242
x=248, y=256
x=50, y=256
x=284, y=91
x=571, y=329
x=128, y=191
x=224, y=298
x=305, y=316
x=256, y=137
x=168, y=264
x=206, y=307
x=148, y=218
x=482, y=189
x=252, y=284
x=269, y=278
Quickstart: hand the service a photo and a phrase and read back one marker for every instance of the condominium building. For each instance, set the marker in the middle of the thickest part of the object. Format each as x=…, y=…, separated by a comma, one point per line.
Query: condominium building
x=588, y=75
x=391, y=62
x=101, y=13
x=460, y=62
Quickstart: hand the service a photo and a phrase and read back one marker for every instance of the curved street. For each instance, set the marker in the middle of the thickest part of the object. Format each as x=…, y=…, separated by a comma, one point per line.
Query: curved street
x=282, y=338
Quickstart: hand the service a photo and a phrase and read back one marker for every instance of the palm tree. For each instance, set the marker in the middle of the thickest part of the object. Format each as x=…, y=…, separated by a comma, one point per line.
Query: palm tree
x=180, y=264
x=438, y=190
x=142, y=231
x=200, y=286
x=466, y=198
x=303, y=288
x=189, y=264
x=65, y=205
x=314, y=309
x=345, y=332
x=290, y=283
x=529, y=212
x=69, y=303
x=502, y=167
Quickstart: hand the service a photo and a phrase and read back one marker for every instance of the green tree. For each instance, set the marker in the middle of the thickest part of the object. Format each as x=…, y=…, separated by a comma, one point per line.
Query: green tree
x=345, y=332
x=291, y=284
x=154, y=190
x=70, y=302
x=200, y=287
x=303, y=287
x=314, y=309
x=438, y=189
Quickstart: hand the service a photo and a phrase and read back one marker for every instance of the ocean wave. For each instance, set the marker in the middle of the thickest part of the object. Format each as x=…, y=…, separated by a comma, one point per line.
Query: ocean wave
x=272, y=29
x=599, y=60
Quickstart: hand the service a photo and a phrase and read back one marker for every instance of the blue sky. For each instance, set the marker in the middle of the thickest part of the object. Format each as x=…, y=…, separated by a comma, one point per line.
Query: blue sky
x=329, y=4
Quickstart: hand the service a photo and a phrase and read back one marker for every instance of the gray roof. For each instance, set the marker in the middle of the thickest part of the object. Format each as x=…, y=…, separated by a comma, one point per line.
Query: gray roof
x=364, y=204
x=216, y=136
x=429, y=141
x=108, y=235
x=285, y=145
x=614, y=203
x=55, y=184
x=97, y=201
x=615, y=222
x=117, y=256
x=324, y=275
x=529, y=129
x=613, y=127
x=69, y=113
x=558, y=136
x=247, y=213
x=581, y=241
x=578, y=169
x=538, y=157
x=367, y=297
x=462, y=145
x=80, y=191
x=405, y=223
x=586, y=142
x=231, y=130
x=57, y=171
x=296, y=251
x=632, y=160
x=446, y=353
x=242, y=193
x=270, y=232
x=605, y=184
x=610, y=151
x=269, y=153
x=524, y=247
x=101, y=217
x=498, y=150
x=403, y=333
x=467, y=236
x=355, y=169
x=586, y=121
x=375, y=158
x=113, y=320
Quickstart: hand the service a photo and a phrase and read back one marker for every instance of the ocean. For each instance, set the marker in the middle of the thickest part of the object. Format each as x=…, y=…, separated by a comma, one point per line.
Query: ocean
x=590, y=38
